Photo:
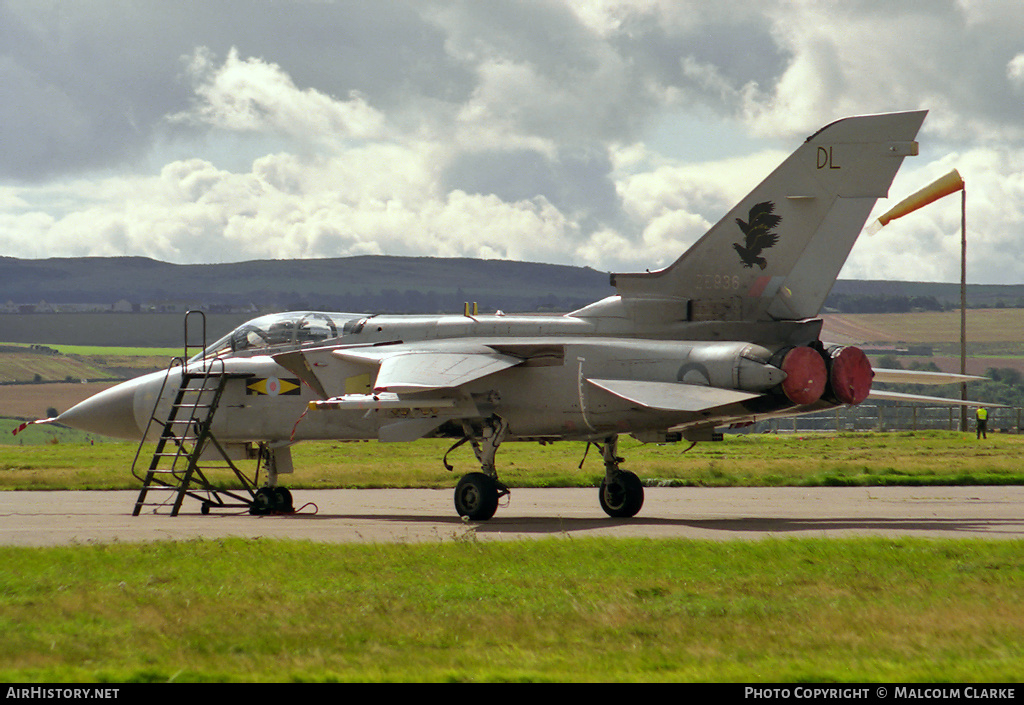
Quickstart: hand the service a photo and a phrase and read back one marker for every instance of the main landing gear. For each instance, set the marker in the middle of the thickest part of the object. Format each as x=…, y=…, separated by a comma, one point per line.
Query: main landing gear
x=621, y=493
x=477, y=494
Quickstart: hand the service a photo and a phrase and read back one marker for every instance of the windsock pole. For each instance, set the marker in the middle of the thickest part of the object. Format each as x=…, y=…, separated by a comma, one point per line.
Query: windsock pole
x=963, y=303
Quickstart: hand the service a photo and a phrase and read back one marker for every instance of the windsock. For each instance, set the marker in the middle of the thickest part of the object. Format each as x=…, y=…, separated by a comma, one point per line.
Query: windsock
x=943, y=186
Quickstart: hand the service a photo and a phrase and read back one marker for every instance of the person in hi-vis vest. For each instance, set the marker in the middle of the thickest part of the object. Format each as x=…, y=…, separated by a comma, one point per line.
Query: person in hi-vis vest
x=982, y=422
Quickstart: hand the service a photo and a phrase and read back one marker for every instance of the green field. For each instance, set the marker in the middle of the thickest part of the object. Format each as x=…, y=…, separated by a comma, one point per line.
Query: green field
x=32, y=367
x=72, y=461
x=984, y=326
x=552, y=610
x=549, y=610
x=106, y=350
x=23, y=363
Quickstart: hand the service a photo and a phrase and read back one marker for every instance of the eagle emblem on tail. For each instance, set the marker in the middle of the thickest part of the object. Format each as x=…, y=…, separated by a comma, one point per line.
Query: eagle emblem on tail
x=758, y=235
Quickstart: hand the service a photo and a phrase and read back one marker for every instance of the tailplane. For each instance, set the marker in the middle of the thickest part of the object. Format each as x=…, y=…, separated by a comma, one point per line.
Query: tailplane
x=776, y=255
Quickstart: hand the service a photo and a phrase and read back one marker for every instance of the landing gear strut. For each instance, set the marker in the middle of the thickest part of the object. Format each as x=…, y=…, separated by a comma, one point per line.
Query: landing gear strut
x=477, y=494
x=272, y=498
x=622, y=493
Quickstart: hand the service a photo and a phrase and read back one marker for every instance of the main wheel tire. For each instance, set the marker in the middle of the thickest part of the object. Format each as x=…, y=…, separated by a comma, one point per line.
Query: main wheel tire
x=476, y=496
x=623, y=496
x=283, y=500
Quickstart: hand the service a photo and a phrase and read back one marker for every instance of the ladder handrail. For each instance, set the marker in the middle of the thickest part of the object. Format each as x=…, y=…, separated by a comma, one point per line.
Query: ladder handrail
x=188, y=347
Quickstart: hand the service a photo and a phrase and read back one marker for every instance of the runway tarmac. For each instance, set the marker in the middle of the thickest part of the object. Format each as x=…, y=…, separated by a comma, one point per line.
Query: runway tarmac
x=336, y=516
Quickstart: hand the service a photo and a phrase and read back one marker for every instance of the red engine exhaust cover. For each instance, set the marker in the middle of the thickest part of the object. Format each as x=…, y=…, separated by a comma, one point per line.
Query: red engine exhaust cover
x=805, y=375
x=850, y=374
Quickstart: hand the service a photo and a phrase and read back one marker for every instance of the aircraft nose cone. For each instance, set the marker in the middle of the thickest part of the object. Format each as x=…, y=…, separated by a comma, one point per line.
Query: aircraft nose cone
x=109, y=413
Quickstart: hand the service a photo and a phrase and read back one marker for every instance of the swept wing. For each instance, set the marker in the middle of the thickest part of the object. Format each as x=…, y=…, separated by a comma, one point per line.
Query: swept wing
x=402, y=371
x=666, y=396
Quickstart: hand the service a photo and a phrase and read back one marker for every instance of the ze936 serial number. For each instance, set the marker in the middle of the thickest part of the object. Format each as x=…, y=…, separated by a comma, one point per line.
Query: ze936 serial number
x=717, y=282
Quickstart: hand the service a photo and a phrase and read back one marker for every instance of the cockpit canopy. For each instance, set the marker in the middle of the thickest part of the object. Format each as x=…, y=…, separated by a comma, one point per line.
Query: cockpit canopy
x=291, y=329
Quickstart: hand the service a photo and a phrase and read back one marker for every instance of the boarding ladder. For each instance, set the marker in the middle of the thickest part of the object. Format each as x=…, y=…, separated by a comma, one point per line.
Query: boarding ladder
x=187, y=450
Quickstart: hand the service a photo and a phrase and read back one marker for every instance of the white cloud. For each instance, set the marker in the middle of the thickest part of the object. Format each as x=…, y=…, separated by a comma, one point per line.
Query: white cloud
x=570, y=132
x=1015, y=70
x=256, y=96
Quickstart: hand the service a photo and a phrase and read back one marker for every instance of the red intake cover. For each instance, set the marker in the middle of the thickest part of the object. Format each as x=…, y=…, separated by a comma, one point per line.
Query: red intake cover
x=805, y=375
x=851, y=375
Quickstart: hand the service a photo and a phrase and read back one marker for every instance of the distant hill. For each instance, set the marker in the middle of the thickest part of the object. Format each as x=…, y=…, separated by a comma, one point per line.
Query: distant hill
x=367, y=283
x=392, y=284
x=855, y=296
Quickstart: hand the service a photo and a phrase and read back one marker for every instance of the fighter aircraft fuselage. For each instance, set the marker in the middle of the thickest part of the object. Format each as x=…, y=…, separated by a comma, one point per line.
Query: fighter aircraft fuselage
x=549, y=393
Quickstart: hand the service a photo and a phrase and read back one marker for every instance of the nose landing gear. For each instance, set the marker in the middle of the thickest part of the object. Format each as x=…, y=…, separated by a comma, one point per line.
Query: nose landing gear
x=272, y=500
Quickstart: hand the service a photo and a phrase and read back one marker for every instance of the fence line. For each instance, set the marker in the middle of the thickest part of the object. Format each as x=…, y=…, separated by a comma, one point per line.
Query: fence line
x=899, y=417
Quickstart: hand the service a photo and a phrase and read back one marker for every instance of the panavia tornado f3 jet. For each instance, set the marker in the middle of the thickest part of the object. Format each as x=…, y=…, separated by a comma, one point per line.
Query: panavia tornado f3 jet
x=726, y=335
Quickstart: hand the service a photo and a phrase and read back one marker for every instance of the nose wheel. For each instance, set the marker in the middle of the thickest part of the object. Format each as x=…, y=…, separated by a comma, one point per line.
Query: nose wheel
x=272, y=500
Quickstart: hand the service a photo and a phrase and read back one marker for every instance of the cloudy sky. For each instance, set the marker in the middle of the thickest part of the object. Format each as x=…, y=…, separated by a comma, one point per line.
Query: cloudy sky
x=606, y=133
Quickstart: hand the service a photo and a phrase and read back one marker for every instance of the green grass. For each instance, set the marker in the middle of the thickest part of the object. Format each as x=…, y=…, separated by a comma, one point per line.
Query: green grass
x=552, y=610
x=47, y=457
x=549, y=610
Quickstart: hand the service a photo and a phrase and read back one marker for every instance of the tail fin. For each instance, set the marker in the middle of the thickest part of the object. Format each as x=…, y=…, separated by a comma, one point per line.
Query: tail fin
x=777, y=254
